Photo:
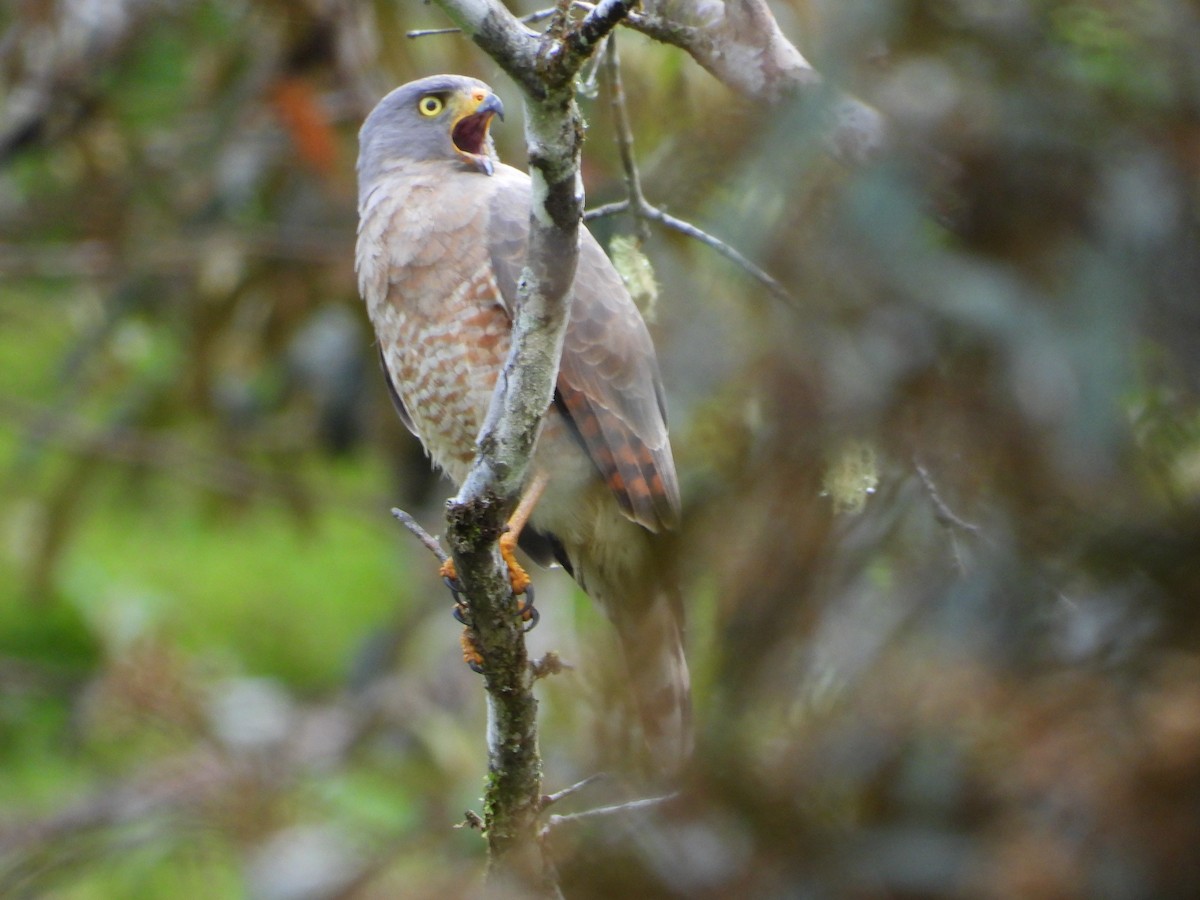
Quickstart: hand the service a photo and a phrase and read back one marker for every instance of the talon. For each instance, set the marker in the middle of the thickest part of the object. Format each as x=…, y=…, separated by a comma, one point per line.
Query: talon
x=526, y=610
x=460, y=614
x=450, y=576
x=471, y=654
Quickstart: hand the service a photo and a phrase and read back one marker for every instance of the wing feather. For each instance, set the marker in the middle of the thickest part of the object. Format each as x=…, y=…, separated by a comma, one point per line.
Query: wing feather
x=609, y=385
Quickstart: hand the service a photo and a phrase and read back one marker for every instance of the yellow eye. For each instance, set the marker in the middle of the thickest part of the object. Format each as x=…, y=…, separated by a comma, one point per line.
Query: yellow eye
x=430, y=106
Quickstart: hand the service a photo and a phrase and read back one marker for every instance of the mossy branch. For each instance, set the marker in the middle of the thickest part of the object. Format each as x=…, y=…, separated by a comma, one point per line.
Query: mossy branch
x=544, y=66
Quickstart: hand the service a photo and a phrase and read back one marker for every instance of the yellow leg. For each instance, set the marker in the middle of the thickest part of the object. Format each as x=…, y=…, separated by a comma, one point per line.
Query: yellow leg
x=517, y=575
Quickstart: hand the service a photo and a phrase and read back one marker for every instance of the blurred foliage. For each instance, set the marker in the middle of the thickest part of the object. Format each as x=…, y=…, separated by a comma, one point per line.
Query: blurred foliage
x=942, y=537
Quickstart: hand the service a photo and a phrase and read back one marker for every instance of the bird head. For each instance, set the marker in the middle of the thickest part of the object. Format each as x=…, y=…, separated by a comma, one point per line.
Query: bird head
x=439, y=117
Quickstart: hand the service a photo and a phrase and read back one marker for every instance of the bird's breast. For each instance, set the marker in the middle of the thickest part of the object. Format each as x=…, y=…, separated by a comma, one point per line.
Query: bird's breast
x=426, y=274
x=444, y=368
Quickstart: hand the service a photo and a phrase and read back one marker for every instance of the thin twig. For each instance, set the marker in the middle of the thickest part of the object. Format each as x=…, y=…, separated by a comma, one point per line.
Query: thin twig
x=549, y=800
x=941, y=510
x=550, y=664
x=605, y=210
x=947, y=518
x=654, y=214
x=616, y=809
x=528, y=20
x=430, y=32
x=777, y=290
x=633, y=180
x=430, y=542
x=641, y=209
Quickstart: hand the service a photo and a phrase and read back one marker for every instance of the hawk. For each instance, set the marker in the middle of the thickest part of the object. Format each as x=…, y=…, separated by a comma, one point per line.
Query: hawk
x=443, y=228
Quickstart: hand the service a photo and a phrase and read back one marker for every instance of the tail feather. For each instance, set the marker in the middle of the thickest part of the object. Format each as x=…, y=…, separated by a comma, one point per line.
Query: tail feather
x=652, y=643
x=621, y=571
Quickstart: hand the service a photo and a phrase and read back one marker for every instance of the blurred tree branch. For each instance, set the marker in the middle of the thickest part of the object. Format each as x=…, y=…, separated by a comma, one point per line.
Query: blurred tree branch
x=741, y=44
x=96, y=258
x=219, y=473
x=58, y=59
x=641, y=209
x=615, y=809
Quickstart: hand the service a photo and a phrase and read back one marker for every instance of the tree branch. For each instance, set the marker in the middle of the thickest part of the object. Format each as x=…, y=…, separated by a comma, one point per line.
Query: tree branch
x=427, y=540
x=501, y=36
x=544, y=67
x=741, y=44
x=624, y=132
x=599, y=22
x=558, y=796
x=641, y=209
x=738, y=41
x=56, y=58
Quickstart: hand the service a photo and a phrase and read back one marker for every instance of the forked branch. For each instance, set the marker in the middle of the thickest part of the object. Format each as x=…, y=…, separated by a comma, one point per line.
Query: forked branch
x=641, y=209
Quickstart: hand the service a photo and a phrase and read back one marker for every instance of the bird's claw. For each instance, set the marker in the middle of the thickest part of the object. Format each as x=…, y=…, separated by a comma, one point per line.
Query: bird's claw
x=471, y=655
x=526, y=611
x=522, y=589
x=450, y=576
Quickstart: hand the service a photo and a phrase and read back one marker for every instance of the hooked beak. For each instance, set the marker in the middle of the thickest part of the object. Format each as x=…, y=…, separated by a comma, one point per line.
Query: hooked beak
x=470, y=130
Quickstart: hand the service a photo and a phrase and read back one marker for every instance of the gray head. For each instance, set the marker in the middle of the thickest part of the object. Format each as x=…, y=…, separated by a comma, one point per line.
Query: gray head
x=439, y=117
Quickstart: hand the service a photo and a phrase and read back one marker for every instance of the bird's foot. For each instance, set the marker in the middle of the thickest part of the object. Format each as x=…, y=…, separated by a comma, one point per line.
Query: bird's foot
x=526, y=611
x=450, y=578
x=522, y=587
x=450, y=575
x=522, y=584
x=518, y=578
x=470, y=651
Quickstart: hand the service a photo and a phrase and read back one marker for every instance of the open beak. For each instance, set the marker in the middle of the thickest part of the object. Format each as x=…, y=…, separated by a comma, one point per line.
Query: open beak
x=470, y=130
